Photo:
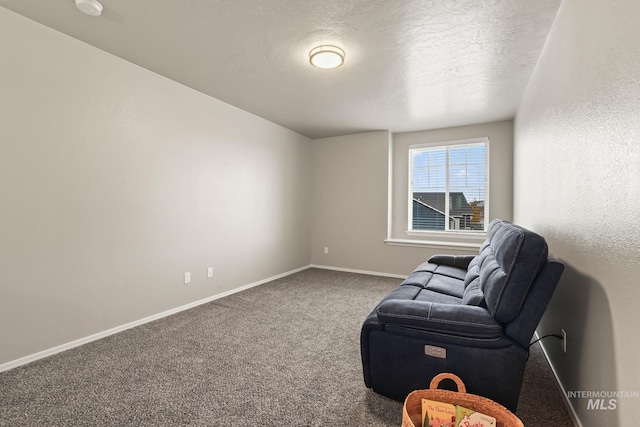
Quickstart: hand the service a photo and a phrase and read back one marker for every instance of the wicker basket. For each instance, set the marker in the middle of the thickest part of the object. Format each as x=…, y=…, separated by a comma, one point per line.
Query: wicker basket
x=412, y=411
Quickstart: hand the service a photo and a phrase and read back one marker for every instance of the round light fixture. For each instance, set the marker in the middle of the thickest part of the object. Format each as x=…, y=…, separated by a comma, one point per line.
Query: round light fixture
x=90, y=7
x=326, y=57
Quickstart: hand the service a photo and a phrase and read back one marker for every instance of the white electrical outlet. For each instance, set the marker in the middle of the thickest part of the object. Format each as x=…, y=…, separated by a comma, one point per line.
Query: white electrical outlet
x=326, y=249
x=187, y=278
x=210, y=272
x=564, y=340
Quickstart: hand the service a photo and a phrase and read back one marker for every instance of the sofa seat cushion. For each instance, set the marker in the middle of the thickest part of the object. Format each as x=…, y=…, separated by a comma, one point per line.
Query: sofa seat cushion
x=432, y=282
x=419, y=293
x=441, y=270
x=461, y=320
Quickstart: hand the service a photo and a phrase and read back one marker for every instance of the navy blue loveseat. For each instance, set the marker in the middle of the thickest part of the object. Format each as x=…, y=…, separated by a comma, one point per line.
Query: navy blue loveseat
x=473, y=316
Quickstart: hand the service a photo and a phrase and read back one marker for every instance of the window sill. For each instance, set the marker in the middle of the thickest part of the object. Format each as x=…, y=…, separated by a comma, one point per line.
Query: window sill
x=478, y=236
x=471, y=246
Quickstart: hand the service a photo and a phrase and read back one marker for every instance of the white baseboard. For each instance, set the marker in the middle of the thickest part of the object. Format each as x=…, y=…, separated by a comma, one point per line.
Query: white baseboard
x=572, y=411
x=99, y=335
x=351, y=270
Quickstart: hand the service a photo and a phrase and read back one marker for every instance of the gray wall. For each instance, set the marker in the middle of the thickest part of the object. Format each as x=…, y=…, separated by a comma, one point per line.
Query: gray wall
x=577, y=157
x=350, y=195
x=349, y=181
x=115, y=181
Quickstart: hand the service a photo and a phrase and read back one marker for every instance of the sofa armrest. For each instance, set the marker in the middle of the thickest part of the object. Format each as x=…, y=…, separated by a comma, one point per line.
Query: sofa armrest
x=449, y=319
x=459, y=261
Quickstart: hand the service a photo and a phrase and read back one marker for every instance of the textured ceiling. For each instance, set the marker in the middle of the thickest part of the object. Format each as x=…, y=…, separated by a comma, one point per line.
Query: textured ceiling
x=410, y=65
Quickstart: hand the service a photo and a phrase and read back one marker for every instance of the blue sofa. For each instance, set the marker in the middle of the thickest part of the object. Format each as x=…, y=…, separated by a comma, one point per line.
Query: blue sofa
x=473, y=316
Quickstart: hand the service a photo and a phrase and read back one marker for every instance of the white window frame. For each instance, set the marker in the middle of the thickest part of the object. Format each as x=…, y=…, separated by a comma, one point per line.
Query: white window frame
x=448, y=233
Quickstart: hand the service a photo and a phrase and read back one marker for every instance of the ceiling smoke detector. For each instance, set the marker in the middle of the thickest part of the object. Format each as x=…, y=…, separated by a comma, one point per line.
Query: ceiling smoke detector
x=90, y=7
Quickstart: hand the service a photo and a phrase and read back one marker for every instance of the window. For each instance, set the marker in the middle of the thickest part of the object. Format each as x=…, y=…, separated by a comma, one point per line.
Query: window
x=448, y=186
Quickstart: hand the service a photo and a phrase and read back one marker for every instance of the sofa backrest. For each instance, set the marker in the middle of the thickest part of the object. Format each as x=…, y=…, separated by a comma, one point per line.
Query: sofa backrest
x=509, y=261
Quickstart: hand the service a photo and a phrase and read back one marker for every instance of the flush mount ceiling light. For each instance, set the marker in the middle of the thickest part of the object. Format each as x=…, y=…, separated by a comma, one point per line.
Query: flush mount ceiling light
x=90, y=7
x=326, y=57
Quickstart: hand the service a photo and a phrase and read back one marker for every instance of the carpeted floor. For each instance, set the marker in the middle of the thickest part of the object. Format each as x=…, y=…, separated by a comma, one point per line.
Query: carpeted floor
x=285, y=353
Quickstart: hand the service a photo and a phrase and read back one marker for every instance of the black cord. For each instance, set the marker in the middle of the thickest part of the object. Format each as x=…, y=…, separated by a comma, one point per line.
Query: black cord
x=545, y=336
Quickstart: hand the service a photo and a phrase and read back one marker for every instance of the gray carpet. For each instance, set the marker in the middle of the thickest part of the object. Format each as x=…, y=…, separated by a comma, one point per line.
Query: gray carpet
x=285, y=353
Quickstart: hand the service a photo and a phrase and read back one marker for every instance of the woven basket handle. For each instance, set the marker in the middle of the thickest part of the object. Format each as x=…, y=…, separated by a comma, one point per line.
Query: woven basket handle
x=435, y=382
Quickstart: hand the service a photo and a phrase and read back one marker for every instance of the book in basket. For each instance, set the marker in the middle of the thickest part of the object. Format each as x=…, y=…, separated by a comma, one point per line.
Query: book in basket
x=440, y=414
x=437, y=414
x=469, y=418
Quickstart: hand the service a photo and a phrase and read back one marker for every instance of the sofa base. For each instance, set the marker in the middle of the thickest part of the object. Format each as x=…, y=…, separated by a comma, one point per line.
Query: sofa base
x=398, y=365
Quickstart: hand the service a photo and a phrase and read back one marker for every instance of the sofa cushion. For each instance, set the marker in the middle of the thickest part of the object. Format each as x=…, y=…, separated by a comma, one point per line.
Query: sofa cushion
x=509, y=261
x=432, y=282
x=461, y=320
x=442, y=270
x=419, y=293
x=473, y=295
